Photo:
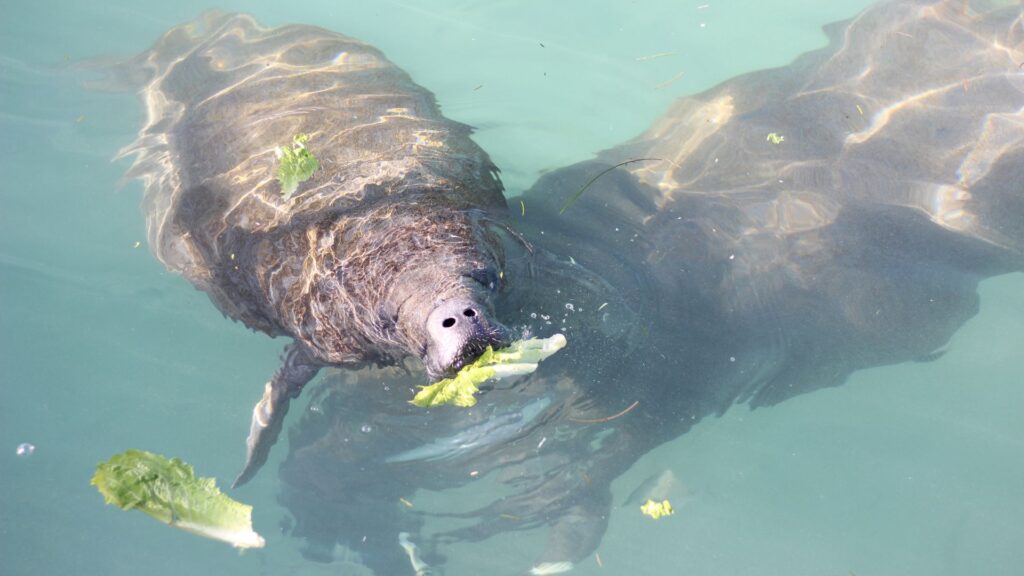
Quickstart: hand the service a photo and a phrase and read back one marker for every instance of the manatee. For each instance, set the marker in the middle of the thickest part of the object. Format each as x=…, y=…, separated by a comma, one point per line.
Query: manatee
x=783, y=230
x=386, y=252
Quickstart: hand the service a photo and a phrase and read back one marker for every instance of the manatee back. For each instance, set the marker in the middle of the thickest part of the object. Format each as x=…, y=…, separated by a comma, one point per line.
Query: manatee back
x=222, y=93
x=822, y=217
x=915, y=104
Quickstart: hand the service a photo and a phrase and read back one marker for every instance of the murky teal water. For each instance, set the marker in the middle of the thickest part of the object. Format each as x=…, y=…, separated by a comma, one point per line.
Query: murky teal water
x=906, y=470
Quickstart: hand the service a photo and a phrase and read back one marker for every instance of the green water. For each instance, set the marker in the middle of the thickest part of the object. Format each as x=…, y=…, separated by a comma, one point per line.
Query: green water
x=906, y=470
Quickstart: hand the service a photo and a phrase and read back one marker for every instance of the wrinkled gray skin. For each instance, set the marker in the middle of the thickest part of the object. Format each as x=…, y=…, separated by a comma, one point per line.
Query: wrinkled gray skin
x=730, y=270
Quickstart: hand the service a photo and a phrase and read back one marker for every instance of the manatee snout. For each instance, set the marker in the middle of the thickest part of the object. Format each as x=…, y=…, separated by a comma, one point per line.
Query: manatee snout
x=458, y=331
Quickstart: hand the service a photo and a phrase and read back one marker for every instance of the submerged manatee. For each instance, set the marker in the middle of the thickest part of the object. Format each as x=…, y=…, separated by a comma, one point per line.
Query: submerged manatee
x=734, y=268
x=737, y=268
x=386, y=252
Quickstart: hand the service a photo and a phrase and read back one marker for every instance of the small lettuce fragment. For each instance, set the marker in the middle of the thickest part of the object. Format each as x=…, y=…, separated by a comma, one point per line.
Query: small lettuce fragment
x=657, y=509
x=520, y=358
x=297, y=165
x=168, y=490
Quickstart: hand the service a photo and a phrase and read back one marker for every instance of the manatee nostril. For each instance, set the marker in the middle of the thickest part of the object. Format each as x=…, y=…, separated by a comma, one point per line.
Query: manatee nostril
x=458, y=331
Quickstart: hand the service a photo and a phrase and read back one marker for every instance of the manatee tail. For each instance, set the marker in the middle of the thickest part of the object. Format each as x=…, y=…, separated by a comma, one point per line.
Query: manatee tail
x=153, y=150
x=133, y=74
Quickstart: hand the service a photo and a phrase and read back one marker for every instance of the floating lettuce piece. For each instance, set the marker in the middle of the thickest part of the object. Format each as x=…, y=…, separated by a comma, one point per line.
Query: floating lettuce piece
x=521, y=357
x=297, y=165
x=169, y=491
x=657, y=509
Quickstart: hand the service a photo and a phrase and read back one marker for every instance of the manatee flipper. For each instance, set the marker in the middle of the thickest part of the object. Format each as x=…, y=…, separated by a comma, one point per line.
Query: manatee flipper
x=297, y=368
x=574, y=536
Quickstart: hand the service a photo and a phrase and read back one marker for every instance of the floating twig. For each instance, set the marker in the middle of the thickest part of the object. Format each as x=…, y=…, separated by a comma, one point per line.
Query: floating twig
x=654, y=56
x=609, y=418
x=670, y=81
x=579, y=192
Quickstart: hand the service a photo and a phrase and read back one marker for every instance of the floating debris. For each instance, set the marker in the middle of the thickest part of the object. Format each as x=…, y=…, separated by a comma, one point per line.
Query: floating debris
x=654, y=56
x=776, y=138
x=404, y=501
x=580, y=192
x=609, y=418
x=670, y=81
x=25, y=449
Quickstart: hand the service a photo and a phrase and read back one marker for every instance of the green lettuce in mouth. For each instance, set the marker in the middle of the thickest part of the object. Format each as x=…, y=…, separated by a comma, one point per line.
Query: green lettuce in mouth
x=522, y=357
x=168, y=490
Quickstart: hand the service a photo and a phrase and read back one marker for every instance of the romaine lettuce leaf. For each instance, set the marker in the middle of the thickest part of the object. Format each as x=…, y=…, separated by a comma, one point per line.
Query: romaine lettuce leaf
x=297, y=165
x=657, y=509
x=521, y=357
x=168, y=490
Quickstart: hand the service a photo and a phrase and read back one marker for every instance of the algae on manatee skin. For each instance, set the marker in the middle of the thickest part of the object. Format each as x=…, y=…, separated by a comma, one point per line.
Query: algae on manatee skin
x=521, y=357
x=297, y=165
x=167, y=489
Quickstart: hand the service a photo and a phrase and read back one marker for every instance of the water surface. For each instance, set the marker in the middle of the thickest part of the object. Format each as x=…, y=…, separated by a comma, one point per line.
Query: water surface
x=905, y=470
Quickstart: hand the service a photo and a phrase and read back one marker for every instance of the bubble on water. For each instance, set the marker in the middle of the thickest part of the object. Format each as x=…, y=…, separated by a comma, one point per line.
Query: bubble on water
x=569, y=306
x=25, y=449
x=366, y=428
